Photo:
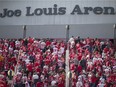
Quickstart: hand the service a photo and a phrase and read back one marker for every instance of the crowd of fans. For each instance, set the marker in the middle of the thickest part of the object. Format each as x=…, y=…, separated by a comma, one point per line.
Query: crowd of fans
x=34, y=62
x=92, y=63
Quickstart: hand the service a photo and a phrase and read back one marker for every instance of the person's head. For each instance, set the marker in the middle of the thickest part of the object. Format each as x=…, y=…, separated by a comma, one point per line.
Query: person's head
x=79, y=80
x=1, y=85
x=35, y=73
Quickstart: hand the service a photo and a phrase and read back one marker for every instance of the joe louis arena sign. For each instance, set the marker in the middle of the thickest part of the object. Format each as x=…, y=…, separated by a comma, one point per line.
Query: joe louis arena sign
x=56, y=10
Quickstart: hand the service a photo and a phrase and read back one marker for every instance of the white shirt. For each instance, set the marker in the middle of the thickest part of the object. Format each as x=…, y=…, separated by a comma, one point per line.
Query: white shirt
x=100, y=59
x=27, y=84
x=62, y=49
x=71, y=39
x=35, y=76
x=55, y=50
x=101, y=85
x=102, y=80
x=90, y=64
x=79, y=84
x=27, y=61
x=103, y=55
x=43, y=44
x=94, y=60
x=42, y=77
x=46, y=67
x=59, y=53
x=10, y=49
x=53, y=83
x=80, y=78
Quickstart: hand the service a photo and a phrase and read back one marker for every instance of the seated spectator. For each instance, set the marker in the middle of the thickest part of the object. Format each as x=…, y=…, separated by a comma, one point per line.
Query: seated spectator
x=35, y=79
x=79, y=83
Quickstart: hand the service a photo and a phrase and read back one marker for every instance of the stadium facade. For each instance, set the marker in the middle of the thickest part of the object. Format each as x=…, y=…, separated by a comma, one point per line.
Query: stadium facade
x=48, y=18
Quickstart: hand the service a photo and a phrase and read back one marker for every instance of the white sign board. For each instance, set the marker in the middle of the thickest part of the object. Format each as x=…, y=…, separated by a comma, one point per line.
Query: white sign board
x=55, y=12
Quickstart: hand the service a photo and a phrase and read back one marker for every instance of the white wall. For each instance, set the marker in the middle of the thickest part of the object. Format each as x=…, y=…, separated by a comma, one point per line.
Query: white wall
x=59, y=31
x=11, y=32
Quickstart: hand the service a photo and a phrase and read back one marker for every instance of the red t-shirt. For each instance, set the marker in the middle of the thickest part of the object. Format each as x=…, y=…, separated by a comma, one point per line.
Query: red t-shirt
x=12, y=67
x=61, y=84
x=79, y=68
x=72, y=67
x=48, y=43
x=93, y=79
x=31, y=40
x=47, y=61
x=30, y=67
x=36, y=64
x=106, y=50
x=79, y=56
x=38, y=70
x=39, y=84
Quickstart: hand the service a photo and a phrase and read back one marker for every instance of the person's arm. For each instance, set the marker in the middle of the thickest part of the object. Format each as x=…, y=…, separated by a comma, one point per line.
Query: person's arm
x=98, y=85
